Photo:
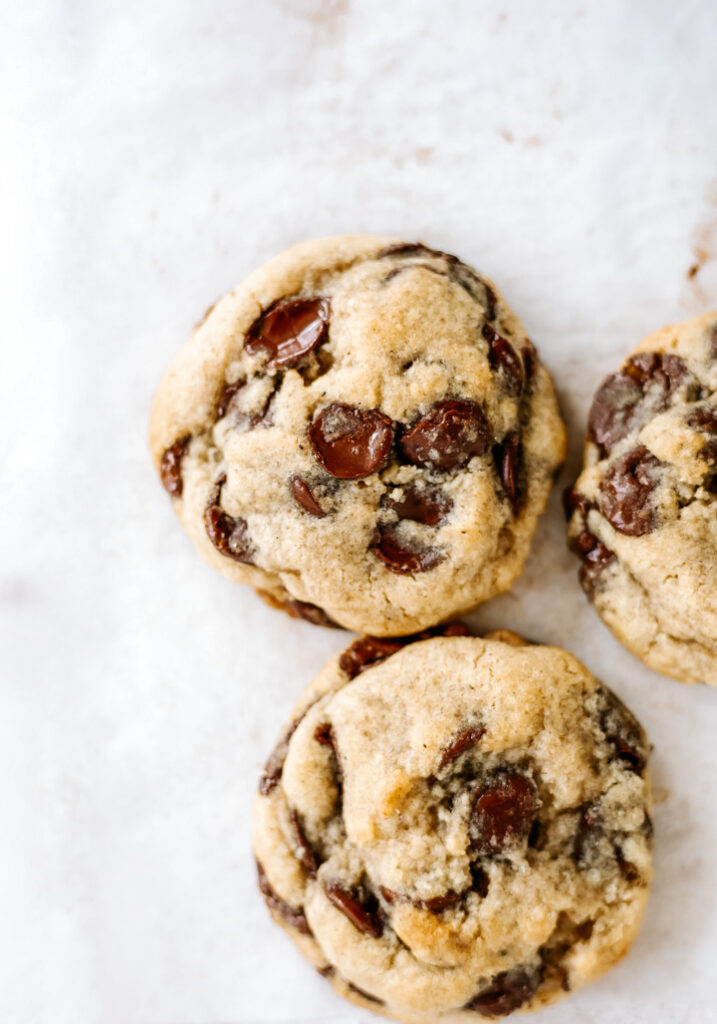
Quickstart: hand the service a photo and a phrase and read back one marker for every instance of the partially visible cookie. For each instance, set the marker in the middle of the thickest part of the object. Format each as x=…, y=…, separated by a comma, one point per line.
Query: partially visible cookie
x=363, y=432
x=642, y=515
x=456, y=827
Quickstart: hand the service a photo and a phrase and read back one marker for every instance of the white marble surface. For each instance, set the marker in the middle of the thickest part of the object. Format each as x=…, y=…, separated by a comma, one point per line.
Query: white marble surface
x=152, y=154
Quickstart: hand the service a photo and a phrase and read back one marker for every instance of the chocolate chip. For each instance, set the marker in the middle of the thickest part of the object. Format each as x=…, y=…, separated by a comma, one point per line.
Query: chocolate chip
x=171, y=466
x=324, y=735
x=625, y=400
x=403, y=556
x=626, y=490
x=506, y=992
x=275, y=764
x=503, y=812
x=425, y=505
x=463, y=741
x=595, y=558
x=447, y=437
x=228, y=533
x=368, y=651
x=574, y=501
x=503, y=357
x=303, y=497
x=435, y=904
x=298, y=609
x=288, y=330
x=349, y=442
x=295, y=918
x=713, y=342
x=507, y=456
x=407, y=266
x=588, y=835
x=624, y=733
x=461, y=273
x=307, y=857
x=362, y=910
x=227, y=397
x=400, y=249
x=365, y=652
x=704, y=420
x=480, y=880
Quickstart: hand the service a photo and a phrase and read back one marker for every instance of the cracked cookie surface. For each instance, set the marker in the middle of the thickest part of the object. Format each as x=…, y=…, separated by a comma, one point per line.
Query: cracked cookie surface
x=363, y=432
x=642, y=515
x=455, y=828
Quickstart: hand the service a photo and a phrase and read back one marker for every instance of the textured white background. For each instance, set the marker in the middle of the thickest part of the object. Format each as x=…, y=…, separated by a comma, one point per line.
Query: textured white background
x=152, y=154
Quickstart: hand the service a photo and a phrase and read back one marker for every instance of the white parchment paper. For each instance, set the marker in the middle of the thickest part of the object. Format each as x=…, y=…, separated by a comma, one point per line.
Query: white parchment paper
x=154, y=153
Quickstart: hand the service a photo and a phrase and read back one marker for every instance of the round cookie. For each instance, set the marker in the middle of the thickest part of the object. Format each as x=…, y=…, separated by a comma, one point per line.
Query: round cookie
x=361, y=431
x=643, y=512
x=456, y=827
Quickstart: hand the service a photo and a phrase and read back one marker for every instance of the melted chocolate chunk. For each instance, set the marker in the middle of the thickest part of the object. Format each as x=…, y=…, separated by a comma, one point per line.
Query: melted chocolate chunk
x=407, y=266
x=507, y=456
x=705, y=420
x=351, y=443
x=574, y=501
x=588, y=836
x=595, y=558
x=227, y=533
x=503, y=812
x=170, y=468
x=303, y=497
x=626, y=490
x=324, y=735
x=624, y=733
x=307, y=857
x=503, y=357
x=367, y=651
x=298, y=609
x=371, y=650
x=447, y=437
x=435, y=904
x=275, y=764
x=227, y=397
x=426, y=505
x=362, y=910
x=403, y=556
x=295, y=918
x=463, y=741
x=625, y=400
x=288, y=330
x=460, y=272
x=400, y=249
x=506, y=992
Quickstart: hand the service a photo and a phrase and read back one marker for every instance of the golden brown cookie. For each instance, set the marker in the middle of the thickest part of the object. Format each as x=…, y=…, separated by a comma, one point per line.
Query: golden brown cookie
x=363, y=432
x=643, y=512
x=456, y=827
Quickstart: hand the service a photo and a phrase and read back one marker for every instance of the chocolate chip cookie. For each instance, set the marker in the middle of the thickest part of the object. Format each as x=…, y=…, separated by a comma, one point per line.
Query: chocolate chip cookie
x=456, y=827
x=363, y=432
x=642, y=515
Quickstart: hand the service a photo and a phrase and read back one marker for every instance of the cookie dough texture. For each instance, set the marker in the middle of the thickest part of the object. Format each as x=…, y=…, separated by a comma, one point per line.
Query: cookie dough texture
x=459, y=830
x=361, y=431
x=643, y=512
